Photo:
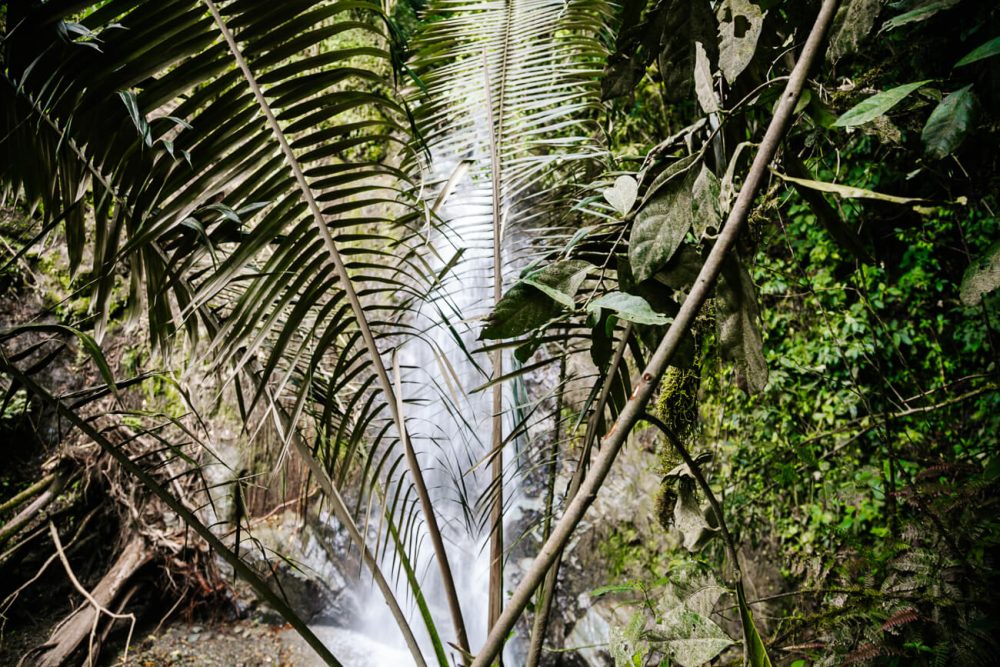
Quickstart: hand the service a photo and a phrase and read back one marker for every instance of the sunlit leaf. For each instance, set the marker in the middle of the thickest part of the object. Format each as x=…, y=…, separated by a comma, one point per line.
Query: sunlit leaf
x=848, y=191
x=628, y=307
x=622, y=195
x=982, y=276
x=740, y=23
x=704, y=86
x=876, y=105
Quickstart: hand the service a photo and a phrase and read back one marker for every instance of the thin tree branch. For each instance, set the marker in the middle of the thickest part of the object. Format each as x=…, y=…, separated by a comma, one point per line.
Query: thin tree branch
x=544, y=607
x=98, y=608
x=174, y=504
x=649, y=379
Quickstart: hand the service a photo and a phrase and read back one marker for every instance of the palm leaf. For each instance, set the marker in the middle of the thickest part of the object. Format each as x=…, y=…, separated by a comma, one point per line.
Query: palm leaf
x=209, y=188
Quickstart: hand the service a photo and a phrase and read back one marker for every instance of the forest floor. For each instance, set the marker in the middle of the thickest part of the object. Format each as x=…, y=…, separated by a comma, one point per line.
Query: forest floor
x=229, y=644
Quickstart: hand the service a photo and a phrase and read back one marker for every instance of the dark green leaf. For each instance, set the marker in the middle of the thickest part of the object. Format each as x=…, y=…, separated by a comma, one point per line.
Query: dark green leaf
x=755, y=653
x=921, y=13
x=739, y=332
x=876, y=105
x=660, y=227
x=536, y=299
x=949, y=123
x=987, y=50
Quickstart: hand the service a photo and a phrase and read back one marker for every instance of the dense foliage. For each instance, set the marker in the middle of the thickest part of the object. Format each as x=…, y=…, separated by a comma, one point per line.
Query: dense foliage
x=806, y=338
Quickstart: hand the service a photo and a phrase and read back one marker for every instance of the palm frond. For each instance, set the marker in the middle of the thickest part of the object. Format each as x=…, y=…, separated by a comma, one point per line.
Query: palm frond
x=262, y=196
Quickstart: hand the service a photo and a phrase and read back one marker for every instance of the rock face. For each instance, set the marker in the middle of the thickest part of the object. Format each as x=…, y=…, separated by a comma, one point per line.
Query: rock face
x=306, y=565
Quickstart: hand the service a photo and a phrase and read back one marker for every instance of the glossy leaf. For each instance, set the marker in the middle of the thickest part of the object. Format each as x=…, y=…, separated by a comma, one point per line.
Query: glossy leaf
x=877, y=105
x=949, y=123
x=628, y=307
x=981, y=52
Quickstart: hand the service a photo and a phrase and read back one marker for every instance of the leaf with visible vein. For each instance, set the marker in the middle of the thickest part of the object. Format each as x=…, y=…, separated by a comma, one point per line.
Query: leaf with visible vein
x=877, y=105
x=949, y=123
x=848, y=191
x=982, y=52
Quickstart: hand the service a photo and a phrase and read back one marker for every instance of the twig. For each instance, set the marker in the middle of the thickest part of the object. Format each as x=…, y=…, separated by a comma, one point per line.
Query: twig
x=636, y=404
x=52, y=491
x=29, y=492
x=90, y=598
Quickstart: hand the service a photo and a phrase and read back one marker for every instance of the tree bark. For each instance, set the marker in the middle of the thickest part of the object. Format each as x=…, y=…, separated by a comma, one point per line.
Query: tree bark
x=634, y=408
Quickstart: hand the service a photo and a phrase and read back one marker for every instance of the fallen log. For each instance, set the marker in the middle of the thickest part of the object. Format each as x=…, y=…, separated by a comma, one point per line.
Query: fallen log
x=72, y=632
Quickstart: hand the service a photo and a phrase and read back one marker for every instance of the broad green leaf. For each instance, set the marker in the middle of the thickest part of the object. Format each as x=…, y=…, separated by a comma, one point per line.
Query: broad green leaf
x=704, y=86
x=982, y=277
x=949, y=123
x=737, y=316
x=921, y=13
x=854, y=22
x=740, y=23
x=876, y=105
x=982, y=52
x=536, y=299
x=706, y=216
x=660, y=227
x=622, y=195
x=847, y=191
x=754, y=651
x=628, y=307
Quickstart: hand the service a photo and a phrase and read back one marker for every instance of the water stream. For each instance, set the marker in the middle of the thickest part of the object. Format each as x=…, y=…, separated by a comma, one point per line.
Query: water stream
x=450, y=426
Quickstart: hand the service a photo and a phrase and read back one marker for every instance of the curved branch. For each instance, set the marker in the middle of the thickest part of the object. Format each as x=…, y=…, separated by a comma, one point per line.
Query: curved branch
x=613, y=441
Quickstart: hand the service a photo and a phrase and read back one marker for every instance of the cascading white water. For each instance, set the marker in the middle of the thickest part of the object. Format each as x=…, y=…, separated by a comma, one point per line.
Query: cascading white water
x=450, y=427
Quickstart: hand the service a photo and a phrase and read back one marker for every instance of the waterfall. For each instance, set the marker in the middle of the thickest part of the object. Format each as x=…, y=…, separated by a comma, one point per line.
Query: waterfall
x=449, y=424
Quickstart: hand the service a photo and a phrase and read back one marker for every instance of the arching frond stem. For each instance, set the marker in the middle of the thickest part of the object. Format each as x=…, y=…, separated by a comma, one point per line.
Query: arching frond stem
x=447, y=580
x=496, y=443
